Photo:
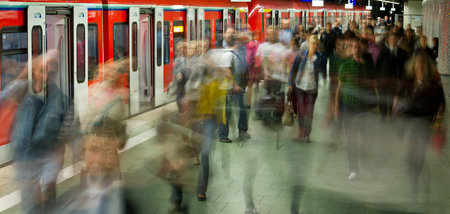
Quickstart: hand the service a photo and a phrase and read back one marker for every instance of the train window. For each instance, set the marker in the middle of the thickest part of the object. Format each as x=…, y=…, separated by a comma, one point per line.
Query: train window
x=166, y=42
x=192, y=30
x=134, y=48
x=178, y=34
x=262, y=22
x=208, y=30
x=120, y=41
x=81, y=53
x=13, y=53
x=269, y=22
x=159, y=43
x=219, y=29
x=200, y=36
x=36, y=51
x=92, y=51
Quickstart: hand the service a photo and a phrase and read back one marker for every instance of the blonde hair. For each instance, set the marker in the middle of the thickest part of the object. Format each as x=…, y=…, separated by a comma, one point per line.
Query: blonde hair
x=313, y=39
x=179, y=48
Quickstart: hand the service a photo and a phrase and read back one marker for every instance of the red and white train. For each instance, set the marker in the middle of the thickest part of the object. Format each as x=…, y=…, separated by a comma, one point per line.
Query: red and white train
x=88, y=33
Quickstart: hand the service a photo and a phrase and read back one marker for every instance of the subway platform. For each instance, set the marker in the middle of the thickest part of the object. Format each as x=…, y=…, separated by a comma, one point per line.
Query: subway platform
x=273, y=164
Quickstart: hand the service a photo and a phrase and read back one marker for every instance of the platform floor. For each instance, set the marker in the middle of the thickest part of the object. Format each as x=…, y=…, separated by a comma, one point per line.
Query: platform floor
x=382, y=187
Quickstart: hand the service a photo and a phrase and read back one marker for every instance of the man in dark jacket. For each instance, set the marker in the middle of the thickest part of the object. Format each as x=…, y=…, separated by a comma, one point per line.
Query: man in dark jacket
x=390, y=69
x=328, y=40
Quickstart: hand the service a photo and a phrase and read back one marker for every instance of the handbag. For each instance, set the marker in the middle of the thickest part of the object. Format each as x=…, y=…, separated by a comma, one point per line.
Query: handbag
x=438, y=138
x=288, y=115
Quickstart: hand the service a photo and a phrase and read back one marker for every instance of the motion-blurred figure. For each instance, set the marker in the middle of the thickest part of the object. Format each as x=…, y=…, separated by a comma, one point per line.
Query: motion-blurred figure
x=349, y=101
x=38, y=153
x=180, y=73
x=422, y=103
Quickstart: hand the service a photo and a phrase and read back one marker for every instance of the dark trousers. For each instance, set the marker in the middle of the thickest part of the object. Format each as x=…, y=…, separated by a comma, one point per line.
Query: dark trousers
x=305, y=110
x=386, y=101
x=177, y=194
x=231, y=98
x=323, y=63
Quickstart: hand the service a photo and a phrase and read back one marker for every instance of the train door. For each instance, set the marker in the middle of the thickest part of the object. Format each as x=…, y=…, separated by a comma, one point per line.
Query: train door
x=292, y=20
x=133, y=72
x=35, y=31
x=146, y=62
x=57, y=44
x=158, y=57
x=201, y=27
x=80, y=65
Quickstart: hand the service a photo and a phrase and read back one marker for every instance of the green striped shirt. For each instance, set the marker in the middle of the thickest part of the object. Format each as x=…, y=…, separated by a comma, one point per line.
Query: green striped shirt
x=350, y=74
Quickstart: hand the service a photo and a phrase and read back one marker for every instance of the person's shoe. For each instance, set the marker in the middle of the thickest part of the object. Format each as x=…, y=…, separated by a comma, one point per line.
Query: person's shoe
x=251, y=211
x=352, y=176
x=244, y=135
x=201, y=196
x=225, y=140
x=307, y=140
x=175, y=208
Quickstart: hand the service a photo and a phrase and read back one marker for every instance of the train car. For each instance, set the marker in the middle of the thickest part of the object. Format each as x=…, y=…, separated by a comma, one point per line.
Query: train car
x=89, y=33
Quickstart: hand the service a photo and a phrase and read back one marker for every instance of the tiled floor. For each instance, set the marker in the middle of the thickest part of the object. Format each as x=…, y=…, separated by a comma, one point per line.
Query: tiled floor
x=382, y=186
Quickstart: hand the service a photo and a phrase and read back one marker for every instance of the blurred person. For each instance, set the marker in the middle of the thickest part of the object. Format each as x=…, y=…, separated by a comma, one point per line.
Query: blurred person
x=254, y=68
x=327, y=39
x=407, y=42
x=373, y=48
x=180, y=73
x=38, y=153
x=400, y=27
x=285, y=33
x=349, y=103
x=418, y=35
x=198, y=67
x=100, y=191
x=380, y=33
x=304, y=45
x=236, y=64
x=424, y=47
x=337, y=28
x=408, y=27
x=303, y=84
x=317, y=27
x=175, y=159
x=435, y=48
x=390, y=73
x=343, y=53
x=106, y=104
x=352, y=26
x=272, y=55
x=223, y=43
x=421, y=103
x=210, y=112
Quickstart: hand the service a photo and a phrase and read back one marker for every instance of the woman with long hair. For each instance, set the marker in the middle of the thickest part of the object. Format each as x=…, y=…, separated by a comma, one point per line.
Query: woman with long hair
x=422, y=103
x=303, y=83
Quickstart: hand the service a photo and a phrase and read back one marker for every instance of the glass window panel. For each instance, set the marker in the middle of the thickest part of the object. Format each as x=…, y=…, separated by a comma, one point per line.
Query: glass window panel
x=166, y=42
x=208, y=30
x=81, y=53
x=92, y=51
x=159, y=43
x=120, y=41
x=12, y=65
x=134, y=48
x=192, y=29
x=36, y=51
x=219, y=29
x=14, y=40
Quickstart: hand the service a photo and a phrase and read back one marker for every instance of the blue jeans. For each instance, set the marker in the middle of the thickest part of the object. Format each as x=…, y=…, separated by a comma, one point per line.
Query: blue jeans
x=207, y=128
x=243, y=124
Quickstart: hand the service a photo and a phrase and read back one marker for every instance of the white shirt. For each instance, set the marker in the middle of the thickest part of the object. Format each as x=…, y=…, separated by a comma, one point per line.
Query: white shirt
x=307, y=80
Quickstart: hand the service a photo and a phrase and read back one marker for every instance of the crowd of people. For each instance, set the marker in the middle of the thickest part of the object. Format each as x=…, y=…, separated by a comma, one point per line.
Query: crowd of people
x=372, y=66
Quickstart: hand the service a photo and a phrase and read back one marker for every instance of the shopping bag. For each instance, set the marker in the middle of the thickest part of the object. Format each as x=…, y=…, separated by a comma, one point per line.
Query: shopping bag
x=288, y=115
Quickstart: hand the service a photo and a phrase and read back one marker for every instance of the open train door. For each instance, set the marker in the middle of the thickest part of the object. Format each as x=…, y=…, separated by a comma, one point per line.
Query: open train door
x=159, y=65
x=80, y=57
x=146, y=59
x=133, y=75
